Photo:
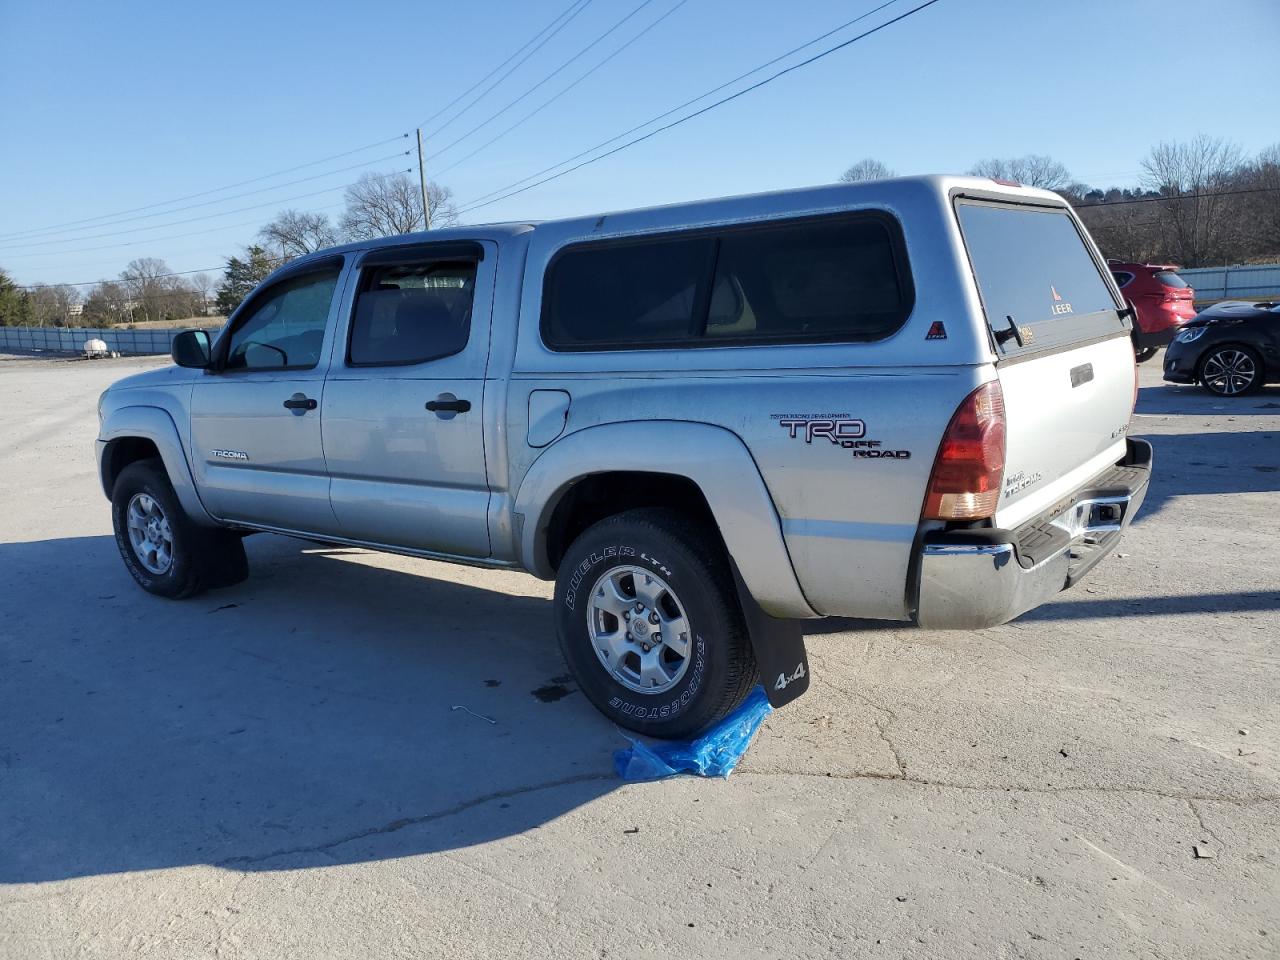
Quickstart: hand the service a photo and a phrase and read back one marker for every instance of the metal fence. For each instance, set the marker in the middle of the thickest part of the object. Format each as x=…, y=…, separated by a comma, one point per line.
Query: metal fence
x=72, y=339
x=1256, y=281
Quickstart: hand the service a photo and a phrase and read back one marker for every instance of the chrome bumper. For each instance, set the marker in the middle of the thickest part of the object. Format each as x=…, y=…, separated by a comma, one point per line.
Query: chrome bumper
x=973, y=579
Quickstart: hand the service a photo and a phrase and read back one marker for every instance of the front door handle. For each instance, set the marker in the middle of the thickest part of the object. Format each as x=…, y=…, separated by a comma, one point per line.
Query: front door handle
x=448, y=403
x=300, y=401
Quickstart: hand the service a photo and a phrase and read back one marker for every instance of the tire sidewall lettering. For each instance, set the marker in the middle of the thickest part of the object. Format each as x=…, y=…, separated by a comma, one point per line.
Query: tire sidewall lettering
x=597, y=557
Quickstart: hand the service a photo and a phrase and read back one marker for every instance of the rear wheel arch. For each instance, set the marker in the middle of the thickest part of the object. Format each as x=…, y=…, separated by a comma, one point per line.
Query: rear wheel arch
x=597, y=496
x=703, y=469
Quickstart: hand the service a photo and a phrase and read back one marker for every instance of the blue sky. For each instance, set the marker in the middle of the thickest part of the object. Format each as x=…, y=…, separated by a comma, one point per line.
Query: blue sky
x=114, y=106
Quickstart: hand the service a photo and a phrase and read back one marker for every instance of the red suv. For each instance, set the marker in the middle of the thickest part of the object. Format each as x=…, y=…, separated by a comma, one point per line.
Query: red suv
x=1163, y=301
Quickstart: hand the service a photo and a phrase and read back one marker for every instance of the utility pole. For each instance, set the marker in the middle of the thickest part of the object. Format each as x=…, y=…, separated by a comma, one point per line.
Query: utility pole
x=422, y=181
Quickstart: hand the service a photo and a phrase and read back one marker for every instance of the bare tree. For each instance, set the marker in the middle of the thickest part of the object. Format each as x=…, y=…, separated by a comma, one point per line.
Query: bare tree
x=1264, y=206
x=51, y=305
x=106, y=303
x=295, y=233
x=381, y=206
x=1034, y=170
x=155, y=293
x=868, y=168
x=202, y=284
x=143, y=280
x=1198, y=224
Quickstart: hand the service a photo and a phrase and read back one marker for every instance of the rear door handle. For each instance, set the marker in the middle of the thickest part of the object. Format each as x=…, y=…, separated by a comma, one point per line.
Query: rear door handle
x=300, y=401
x=448, y=403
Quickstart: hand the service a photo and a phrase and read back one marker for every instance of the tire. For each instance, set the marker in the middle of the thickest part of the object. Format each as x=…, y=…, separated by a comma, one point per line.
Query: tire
x=1230, y=370
x=173, y=557
x=1143, y=354
x=676, y=571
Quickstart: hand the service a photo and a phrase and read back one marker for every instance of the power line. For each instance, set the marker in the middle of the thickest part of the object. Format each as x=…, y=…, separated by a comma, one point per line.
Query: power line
x=158, y=276
x=449, y=106
x=697, y=113
x=109, y=219
x=204, y=193
x=206, y=203
x=210, y=216
x=31, y=231
x=148, y=240
x=576, y=8
x=688, y=103
x=536, y=86
x=537, y=110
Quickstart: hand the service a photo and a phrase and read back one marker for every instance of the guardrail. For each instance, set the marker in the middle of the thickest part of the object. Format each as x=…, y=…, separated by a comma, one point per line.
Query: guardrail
x=1255, y=281
x=72, y=339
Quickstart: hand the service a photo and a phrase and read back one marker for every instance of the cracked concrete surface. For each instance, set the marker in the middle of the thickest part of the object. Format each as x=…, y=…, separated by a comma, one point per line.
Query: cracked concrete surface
x=275, y=771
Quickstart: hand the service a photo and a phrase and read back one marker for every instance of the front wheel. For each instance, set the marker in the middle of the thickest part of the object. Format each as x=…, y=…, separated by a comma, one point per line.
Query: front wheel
x=166, y=553
x=649, y=623
x=1231, y=371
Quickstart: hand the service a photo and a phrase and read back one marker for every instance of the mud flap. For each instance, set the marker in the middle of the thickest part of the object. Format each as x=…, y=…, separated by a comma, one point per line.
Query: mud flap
x=778, y=646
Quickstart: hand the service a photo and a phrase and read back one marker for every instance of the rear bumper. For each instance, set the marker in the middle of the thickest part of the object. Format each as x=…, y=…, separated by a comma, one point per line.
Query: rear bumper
x=979, y=578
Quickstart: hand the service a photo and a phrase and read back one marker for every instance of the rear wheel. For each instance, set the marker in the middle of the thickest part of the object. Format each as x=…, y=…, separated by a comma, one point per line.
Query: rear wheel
x=166, y=552
x=1143, y=354
x=649, y=623
x=1231, y=371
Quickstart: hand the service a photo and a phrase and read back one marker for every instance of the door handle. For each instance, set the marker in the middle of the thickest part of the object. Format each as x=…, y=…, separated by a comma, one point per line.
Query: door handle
x=448, y=403
x=300, y=402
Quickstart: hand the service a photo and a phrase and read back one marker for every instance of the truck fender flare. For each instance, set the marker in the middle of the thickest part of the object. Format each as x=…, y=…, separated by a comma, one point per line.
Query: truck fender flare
x=713, y=458
x=154, y=424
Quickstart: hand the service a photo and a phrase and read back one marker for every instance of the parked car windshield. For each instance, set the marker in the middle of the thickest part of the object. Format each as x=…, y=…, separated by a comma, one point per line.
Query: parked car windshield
x=1036, y=274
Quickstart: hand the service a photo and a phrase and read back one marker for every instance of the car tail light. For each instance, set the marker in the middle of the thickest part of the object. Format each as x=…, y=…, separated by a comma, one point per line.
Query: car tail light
x=965, y=483
x=1134, y=405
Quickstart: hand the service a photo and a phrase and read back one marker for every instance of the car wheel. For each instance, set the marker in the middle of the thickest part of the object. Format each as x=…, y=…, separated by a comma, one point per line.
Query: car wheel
x=166, y=552
x=1231, y=371
x=649, y=623
x=1143, y=354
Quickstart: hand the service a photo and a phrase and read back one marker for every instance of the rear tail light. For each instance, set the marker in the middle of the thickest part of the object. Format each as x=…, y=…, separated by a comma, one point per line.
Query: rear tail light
x=965, y=483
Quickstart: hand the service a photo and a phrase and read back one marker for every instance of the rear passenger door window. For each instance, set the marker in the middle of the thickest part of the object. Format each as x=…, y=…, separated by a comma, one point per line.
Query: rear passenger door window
x=830, y=279
x=412, y=313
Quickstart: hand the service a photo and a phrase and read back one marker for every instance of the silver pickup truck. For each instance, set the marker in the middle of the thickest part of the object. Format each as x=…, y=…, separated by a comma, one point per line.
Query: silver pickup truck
x=905, y=400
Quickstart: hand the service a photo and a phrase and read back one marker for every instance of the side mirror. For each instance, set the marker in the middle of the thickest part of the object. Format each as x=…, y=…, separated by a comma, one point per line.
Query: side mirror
x=191, y=349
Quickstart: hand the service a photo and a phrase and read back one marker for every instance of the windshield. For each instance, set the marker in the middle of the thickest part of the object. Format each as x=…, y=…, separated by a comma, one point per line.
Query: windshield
x=1035, y=273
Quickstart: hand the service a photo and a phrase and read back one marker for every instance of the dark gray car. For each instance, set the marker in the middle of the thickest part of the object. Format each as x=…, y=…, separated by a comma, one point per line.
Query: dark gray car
x=1230, y=349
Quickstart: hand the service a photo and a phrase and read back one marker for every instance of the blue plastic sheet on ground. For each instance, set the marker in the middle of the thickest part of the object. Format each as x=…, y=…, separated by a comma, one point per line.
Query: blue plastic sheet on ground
x=714, y=754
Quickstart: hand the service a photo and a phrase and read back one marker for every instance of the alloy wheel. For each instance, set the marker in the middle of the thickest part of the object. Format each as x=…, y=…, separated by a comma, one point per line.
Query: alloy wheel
x=638, y=629
x=1229, y=372
x=149, y=533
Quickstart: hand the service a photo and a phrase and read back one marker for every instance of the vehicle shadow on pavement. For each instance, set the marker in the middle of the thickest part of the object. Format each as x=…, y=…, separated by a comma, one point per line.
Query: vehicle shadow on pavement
x=1191, y=464
x=1172, y=400
x=1091, y=608
x=326, y=711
